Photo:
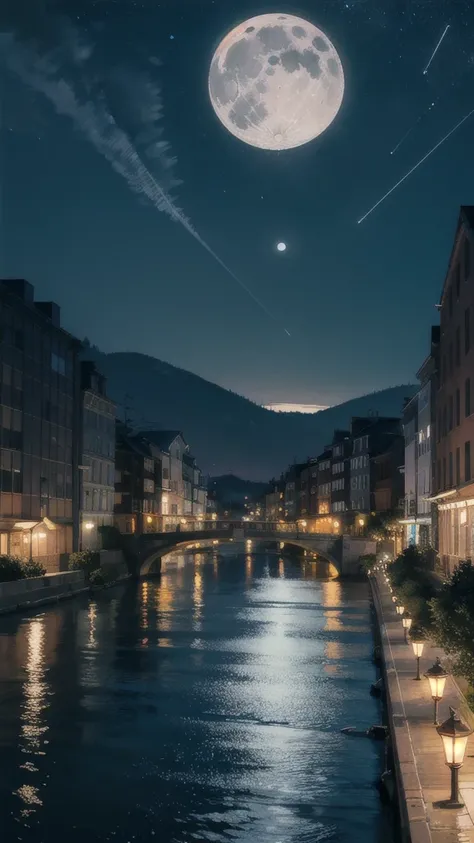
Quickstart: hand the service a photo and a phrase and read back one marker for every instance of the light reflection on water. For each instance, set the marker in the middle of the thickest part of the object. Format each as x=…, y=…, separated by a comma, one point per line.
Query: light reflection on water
x=203, y=705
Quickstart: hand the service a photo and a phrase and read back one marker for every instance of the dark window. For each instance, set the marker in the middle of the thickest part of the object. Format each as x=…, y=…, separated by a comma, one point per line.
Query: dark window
x=444, y=472
x=451, y=358
x=18, y=340
x=458, y=407
x=450, y=464
x=467, y=461
x=440, y=426
x=450, y=413
x=457, y=352
x=458, y=466
x=467, y=258
x=467, y=397
x=457, y=277
x=58, y=364
x=467, y=330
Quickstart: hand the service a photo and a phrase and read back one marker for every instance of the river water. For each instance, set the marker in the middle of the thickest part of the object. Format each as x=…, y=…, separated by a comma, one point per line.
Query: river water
x=205, y=705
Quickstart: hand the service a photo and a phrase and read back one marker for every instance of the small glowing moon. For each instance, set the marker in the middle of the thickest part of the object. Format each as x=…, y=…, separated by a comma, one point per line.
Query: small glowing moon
x=281, y=247
x=276, y=81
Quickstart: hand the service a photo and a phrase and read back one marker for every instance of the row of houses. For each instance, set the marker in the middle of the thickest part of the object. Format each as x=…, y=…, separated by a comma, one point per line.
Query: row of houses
x=359, y=474
x=417, y=470
x=67, y=466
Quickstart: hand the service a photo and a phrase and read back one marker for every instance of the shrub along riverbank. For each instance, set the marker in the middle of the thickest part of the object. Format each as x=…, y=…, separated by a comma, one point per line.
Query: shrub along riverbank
x=14, y=568
x=441, y=611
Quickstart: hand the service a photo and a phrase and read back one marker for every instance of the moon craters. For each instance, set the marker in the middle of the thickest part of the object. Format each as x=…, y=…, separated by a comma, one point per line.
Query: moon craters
x=320, y=44
x=298, y=31
x=273, y=38
x=292, y=60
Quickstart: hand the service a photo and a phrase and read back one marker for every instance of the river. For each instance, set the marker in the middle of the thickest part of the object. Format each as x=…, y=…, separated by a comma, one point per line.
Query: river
x=205, y=705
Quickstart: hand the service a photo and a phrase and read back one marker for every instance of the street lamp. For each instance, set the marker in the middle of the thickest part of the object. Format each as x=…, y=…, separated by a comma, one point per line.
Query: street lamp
x=406, y=623
x=454, y=734
x=436, y=676
x=399, y=609
x=418, y=651
x=394, y=599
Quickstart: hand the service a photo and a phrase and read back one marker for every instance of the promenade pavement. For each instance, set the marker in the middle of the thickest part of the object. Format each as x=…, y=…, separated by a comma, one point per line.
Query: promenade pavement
x=424, y=775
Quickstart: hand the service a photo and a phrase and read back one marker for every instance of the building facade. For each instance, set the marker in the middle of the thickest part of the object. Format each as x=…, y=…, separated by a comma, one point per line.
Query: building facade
x=97, y=460
x=323, y=523
x=340, y=477
x=389, y=479
x=453, y=476
x=40, y=427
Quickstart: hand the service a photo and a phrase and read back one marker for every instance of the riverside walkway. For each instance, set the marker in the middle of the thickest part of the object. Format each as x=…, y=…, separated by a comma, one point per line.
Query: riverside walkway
x=424, y=778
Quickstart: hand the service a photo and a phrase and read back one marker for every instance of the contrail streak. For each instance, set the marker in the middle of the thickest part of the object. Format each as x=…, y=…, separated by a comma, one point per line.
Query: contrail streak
x=393, y=151
x=438, y=45
x=98, y=125
x=420, y=162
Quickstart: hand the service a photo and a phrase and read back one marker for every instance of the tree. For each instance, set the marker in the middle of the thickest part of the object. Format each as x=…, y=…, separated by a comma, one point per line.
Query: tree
x=453, y=615
x=411, y=577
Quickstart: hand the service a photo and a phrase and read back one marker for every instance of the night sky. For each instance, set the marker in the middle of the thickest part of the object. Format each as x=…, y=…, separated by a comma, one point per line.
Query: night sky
x=358, y=300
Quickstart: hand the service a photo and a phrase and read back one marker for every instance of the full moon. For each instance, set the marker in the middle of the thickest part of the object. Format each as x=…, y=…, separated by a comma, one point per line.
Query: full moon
x=281, y=247
x=276, y=82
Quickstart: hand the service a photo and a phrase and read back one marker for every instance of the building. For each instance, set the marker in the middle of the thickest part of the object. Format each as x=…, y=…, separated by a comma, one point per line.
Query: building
x=453, y=476
x=274, y=502
x=307, y=509
x=418, y=427
x=389, y=479
x=97, y=460
x=195, y=490
x=371, y=436
x=40, y=415
x=137, y=483
x=292, y=492
x=171, y=448
x=341, y=450
x=323, y=523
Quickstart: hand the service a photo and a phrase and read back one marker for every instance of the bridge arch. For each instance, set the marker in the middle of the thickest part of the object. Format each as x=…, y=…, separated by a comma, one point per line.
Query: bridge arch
x=152, y=554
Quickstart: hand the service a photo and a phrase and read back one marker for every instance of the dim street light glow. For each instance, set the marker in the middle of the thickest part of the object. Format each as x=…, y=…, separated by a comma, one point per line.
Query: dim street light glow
x=281, y=247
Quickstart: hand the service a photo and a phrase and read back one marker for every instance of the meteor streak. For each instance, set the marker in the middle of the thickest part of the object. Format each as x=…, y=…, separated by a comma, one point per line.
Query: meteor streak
x=420, y=162
x=438, y=45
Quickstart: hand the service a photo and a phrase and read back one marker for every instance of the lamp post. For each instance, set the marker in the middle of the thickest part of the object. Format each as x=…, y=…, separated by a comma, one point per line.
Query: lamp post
x=454, y=734
x=406, y=623
x=399, y=609
x=418, y=652
x=436, y=676
x=394, y=599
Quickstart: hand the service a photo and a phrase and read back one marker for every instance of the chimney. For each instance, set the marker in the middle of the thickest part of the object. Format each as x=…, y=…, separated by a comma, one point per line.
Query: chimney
x=20, y=288
x=51, y=310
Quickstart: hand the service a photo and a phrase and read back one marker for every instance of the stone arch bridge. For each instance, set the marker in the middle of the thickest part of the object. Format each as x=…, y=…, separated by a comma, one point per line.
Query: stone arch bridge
x=144, y=552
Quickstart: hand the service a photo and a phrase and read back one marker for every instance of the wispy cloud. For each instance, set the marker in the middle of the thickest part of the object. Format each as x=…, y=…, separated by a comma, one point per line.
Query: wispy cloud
x=100, y=107
x=45, y=74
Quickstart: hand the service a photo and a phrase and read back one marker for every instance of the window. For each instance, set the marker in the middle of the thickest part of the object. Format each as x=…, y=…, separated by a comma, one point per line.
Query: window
x=467, y=397
x=457, y=347
x=467, y=461
x=450, y=469
x=58, y=364
x=458, y=408
x=467, y=330
x=458, y=466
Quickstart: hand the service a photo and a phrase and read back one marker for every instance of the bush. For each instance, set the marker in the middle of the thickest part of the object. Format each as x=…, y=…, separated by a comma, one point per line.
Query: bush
x=97, y=577
x=14, y=568
x=453, y=614
x=411, y=578
x=84, y=560
x=367, y=562
x=32, y=568
x=10, y=568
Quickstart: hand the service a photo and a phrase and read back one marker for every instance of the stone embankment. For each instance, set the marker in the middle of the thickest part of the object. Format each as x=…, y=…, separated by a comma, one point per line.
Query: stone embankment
x=422, y=777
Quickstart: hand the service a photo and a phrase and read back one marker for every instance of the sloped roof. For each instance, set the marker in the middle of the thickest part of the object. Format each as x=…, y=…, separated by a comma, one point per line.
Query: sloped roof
x=162, y=438
x=465, y=220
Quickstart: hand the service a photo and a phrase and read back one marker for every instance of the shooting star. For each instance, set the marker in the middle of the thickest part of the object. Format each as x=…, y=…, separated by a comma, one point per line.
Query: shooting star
x=420, y=162
x=410, y=130
x=438, y=45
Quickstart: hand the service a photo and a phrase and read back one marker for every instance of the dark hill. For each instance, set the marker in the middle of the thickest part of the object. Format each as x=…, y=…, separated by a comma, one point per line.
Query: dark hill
x=228, y=434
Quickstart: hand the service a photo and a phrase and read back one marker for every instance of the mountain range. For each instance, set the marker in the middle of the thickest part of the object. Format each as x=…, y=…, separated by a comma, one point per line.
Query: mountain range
x=228, y=434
